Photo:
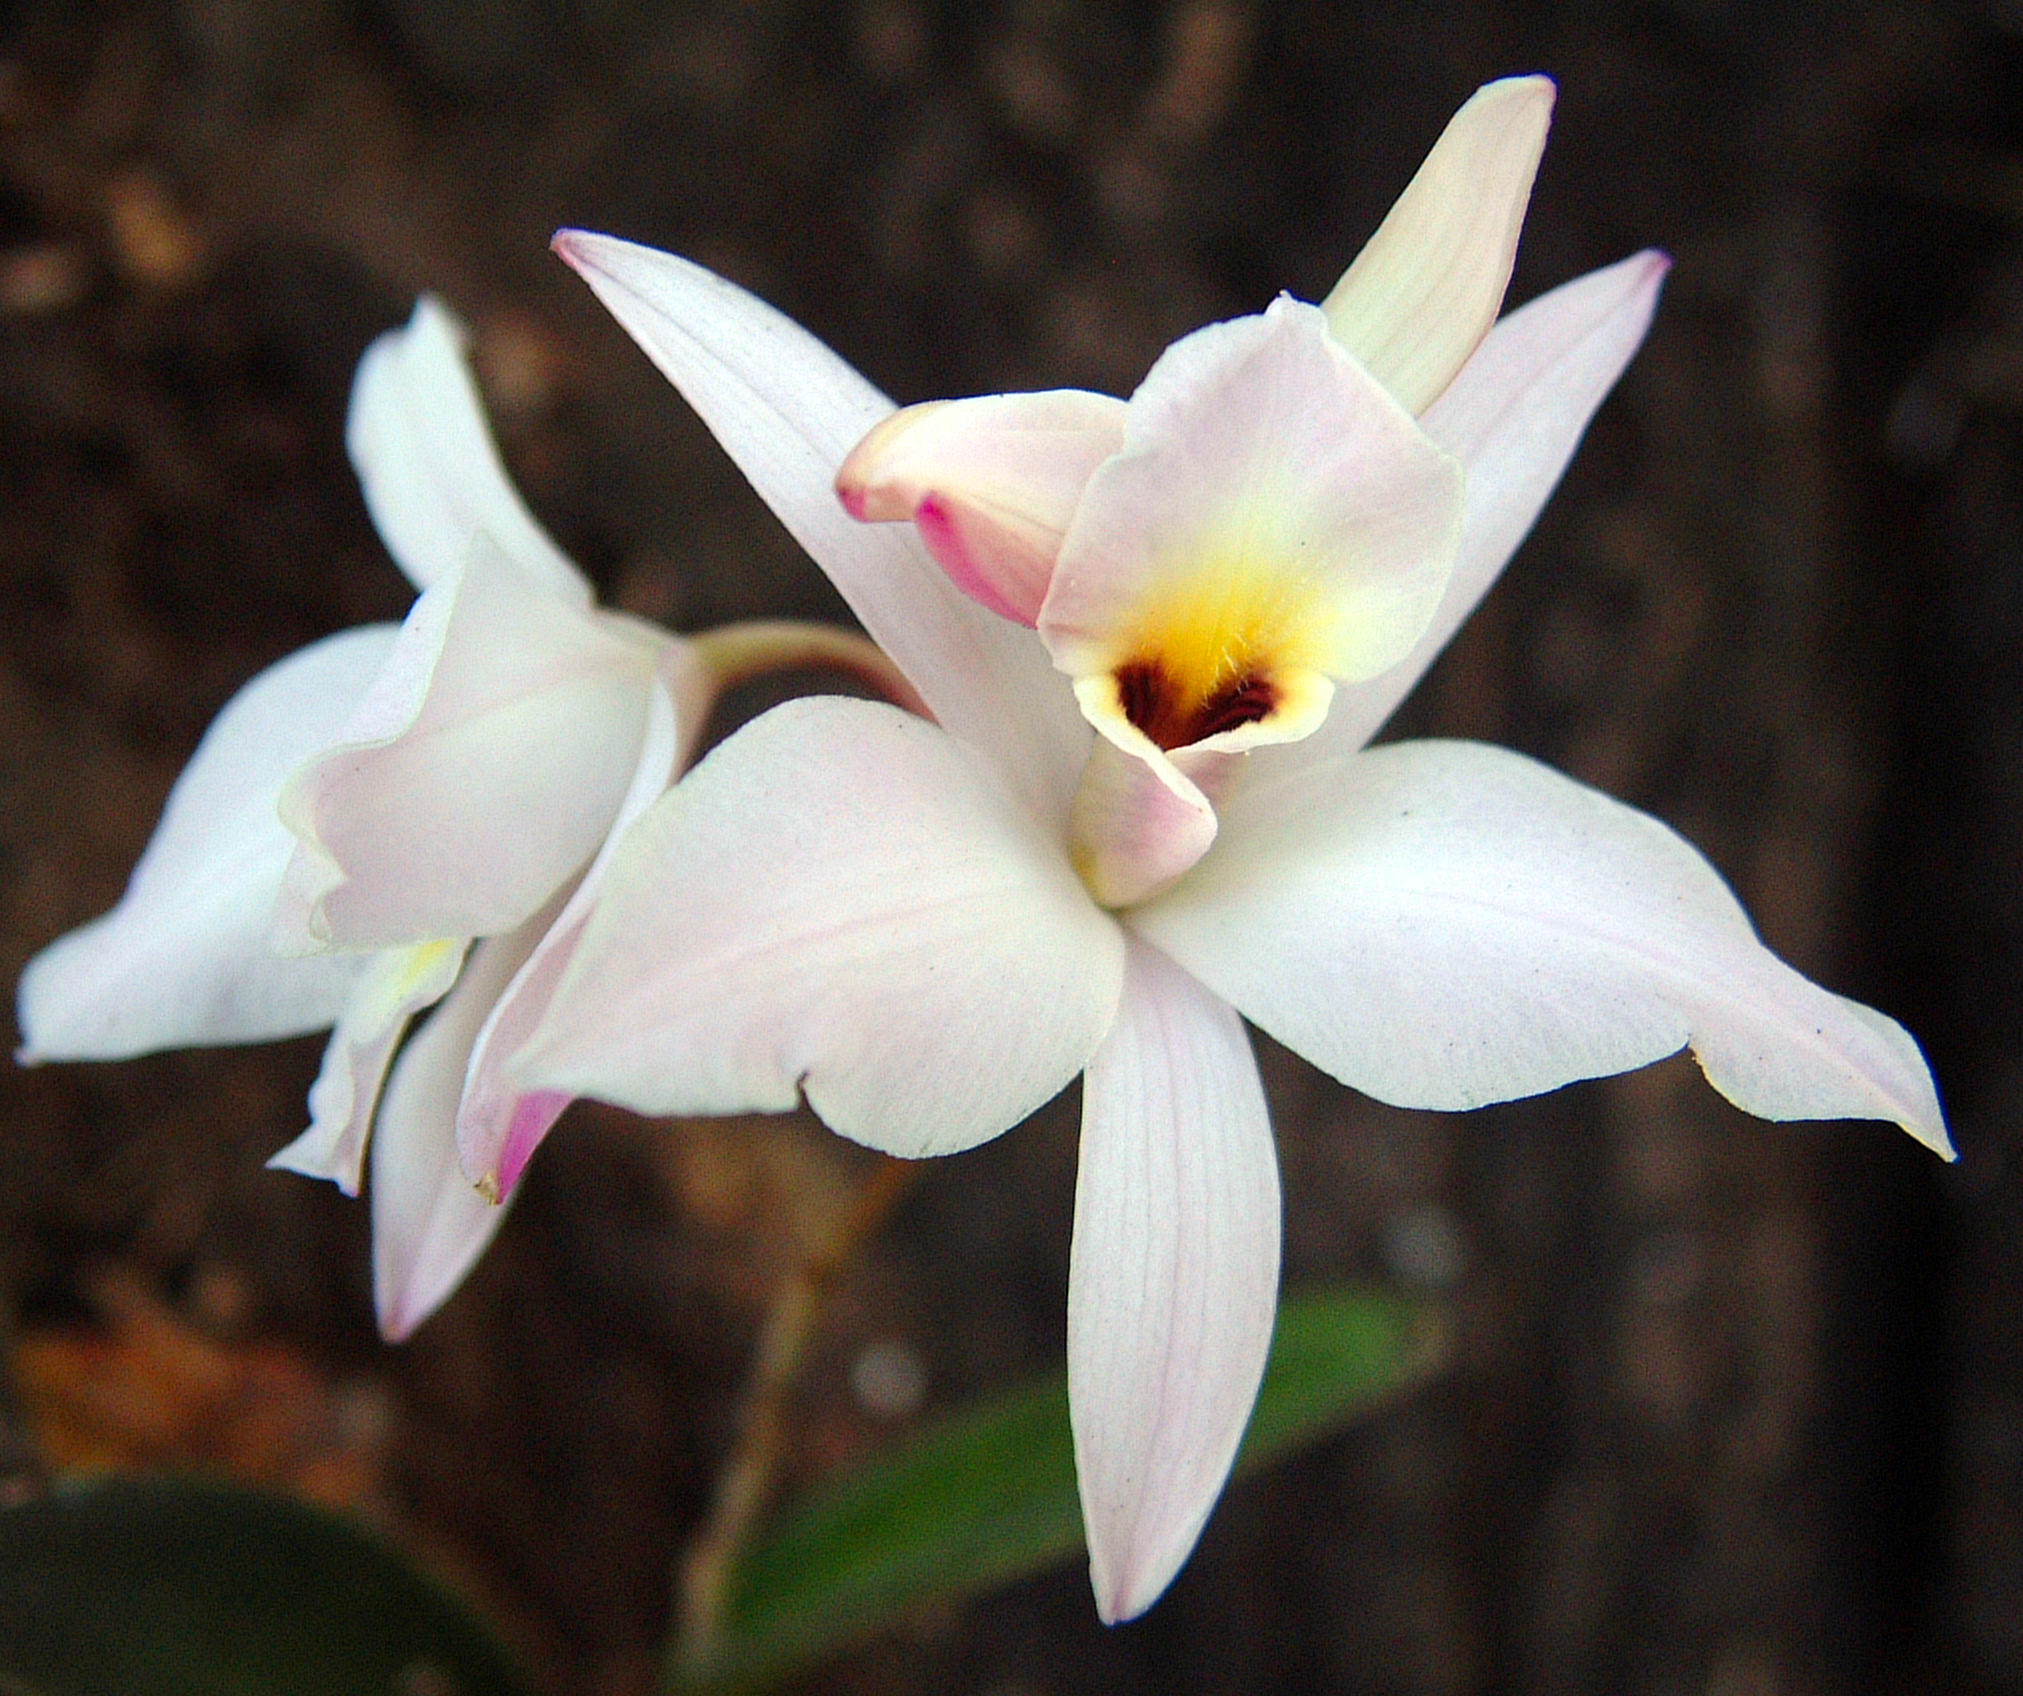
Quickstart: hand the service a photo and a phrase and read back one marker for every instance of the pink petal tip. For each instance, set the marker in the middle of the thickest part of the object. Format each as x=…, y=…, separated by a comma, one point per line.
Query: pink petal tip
x=943, y=536
x=534, y=1114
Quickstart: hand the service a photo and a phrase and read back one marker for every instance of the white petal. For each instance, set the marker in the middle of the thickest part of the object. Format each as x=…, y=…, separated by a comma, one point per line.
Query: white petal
x=1513, y=417
x=1426, y=288
x=1139, y=822
x=1443, y=924
x=429, y=467
x=481, y=773
x=397, y=983
x=183, y=959
x=1272, y=511
x=838, y=899
x=789, y=412
x=429, y=1222
x=992, y=482
x=498, y=1125
x=1173, y=1279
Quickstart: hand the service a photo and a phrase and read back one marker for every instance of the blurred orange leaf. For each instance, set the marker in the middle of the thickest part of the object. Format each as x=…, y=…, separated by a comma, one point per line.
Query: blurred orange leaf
x=146, y=1390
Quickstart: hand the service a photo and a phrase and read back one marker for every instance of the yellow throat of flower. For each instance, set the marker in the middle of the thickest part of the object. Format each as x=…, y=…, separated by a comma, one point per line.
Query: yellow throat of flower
x=1230, y=647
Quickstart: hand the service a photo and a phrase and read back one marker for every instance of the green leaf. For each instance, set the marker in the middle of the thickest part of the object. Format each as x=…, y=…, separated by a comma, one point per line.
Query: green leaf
x=172, y=1587
x=988, y=1495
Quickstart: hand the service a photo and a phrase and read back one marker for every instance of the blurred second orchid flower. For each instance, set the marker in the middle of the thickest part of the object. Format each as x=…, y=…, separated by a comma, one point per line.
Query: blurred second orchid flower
x=1156, y=637
x=397, y=816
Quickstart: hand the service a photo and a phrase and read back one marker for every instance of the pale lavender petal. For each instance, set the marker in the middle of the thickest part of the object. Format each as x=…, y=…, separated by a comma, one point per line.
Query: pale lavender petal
x=396, y=984
x=498, y=1125
x=1513, y=417
x=992, y=482
x=1426, y=287
x=481, y=773
x=1444, y=924
x=1139, y=822
x=1271, y=510
x=430, y=470
x=184, y=960
x=429, y=1222
x=840, y=899
x=1173, y=1278
x=789, y=412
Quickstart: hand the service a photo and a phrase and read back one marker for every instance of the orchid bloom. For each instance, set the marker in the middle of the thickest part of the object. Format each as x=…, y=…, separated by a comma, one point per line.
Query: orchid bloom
x=392, y=817
x=1155, y=638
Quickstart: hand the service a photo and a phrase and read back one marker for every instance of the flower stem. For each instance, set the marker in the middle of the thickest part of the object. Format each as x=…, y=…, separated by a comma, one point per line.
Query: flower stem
x=737, y=653
x=744, y=1483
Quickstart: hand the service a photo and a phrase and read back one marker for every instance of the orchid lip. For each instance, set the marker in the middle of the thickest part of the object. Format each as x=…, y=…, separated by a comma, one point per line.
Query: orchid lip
x=1153, y=700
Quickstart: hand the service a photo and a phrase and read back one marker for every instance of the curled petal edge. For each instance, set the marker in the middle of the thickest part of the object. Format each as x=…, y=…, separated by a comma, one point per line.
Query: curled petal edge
x=992, y=484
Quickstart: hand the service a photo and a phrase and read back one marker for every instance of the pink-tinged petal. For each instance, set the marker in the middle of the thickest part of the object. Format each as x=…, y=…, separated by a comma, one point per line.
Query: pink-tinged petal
x=1444, y=924
x=429, y=1222
x=1138, y=823
x=992, y=482
x=479, y=775
x=1173, y=1279
x=1273, y=517
x=840, y=899
x=498, y=1125
x=183, y=959
x=430, y=470
x=1424, y=291
x=789, y=412
x=1513, y=417
x=397, y=983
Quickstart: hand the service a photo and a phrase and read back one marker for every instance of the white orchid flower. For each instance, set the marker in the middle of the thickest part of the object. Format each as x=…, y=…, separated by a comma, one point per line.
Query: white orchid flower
x=369, y=811
x=1156, y=809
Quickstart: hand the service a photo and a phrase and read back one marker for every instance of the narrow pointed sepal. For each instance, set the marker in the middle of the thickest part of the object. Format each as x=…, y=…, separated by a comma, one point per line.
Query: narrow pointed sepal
x=1172, y=1279
x=1513, y=417
x=430, y=1223
x=430, y=470
x=789, y=411
x=1426, y=287
x=184, y=960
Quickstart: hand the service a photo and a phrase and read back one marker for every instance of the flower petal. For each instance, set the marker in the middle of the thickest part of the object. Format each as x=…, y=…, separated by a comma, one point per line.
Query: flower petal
x=183, y=960
x=838, y=899
x=429, y=1222
x=1444, y=924
x=397, y=984
x=1139, y=822
x=1514, y=417
x=429, y=467
x=992, y=483
x=789, y=412
x=498, y=1125
x=1272, y=513
x=1173, y=1278
x=480, y=773
x=1425, y=289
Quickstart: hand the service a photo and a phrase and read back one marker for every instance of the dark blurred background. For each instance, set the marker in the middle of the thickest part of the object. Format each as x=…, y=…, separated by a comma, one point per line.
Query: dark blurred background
x=1735, y=1409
